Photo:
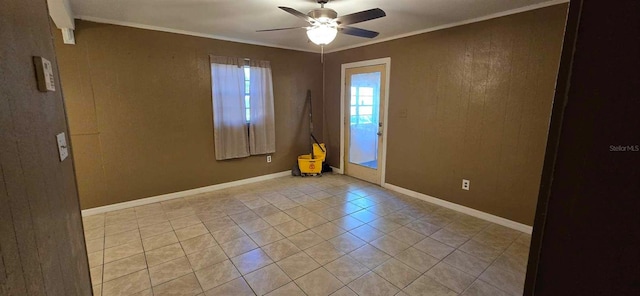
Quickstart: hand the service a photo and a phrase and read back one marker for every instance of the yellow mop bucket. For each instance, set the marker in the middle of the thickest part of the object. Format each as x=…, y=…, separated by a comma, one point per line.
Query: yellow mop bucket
x=310, y=165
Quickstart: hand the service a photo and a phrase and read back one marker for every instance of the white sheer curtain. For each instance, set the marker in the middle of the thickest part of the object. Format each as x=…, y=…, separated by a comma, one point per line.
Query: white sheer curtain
x=229, y=122
x=262, y=135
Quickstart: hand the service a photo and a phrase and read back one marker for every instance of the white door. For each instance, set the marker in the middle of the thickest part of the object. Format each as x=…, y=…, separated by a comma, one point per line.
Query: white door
x=365, y=89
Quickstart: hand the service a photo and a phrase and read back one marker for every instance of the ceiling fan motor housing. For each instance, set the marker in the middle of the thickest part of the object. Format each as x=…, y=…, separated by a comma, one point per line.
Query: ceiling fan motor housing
x=323, y=14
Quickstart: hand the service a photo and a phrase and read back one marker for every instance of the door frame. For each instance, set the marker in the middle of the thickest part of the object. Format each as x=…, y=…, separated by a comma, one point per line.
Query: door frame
x=385, y=120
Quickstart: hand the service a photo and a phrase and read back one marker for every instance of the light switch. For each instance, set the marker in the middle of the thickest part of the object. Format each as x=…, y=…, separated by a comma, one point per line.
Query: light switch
x=62, y=146
x=44, y=74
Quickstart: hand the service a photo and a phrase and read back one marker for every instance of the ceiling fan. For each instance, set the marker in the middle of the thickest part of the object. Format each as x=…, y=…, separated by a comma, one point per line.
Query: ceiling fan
x=325, y=23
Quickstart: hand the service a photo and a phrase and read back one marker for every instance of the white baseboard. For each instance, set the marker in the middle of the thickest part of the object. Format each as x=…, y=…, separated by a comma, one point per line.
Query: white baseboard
x=466, y=210
x=149, y=200
x=174, y=195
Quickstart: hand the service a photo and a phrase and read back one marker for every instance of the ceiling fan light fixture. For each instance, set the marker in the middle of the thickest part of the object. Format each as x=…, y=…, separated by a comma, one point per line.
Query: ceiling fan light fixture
x=322, y=34
x=325, y=23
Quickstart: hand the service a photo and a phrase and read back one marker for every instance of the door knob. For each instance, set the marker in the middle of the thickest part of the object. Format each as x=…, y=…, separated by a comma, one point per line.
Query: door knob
x=379, y=133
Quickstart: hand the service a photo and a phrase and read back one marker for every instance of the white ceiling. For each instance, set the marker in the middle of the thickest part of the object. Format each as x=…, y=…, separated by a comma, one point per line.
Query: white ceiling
x=237, y=20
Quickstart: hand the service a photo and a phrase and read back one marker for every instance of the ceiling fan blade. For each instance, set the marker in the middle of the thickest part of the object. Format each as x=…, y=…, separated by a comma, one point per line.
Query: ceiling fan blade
x=358, y=32
x=361, y=16
x=297, y=13
x=280, y=29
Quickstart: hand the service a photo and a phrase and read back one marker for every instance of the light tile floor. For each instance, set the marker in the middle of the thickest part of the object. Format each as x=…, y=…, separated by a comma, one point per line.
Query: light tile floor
x=330, y=235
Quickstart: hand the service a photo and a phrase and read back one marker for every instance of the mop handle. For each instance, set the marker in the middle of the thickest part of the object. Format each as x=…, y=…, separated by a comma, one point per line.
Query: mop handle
x=314, y=139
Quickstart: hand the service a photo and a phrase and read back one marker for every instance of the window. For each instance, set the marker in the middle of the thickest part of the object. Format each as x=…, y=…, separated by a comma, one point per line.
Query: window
x=362, y=105
x=243, y=112
x=247, y=92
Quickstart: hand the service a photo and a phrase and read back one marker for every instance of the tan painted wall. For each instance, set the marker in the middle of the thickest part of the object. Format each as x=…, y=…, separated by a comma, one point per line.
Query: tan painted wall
x=139, y=106
x=42, y=249
x=478, y=101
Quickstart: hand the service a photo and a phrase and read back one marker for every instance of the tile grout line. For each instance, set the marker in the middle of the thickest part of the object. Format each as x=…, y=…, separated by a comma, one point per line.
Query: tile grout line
x=476, y=278
x=493, y=262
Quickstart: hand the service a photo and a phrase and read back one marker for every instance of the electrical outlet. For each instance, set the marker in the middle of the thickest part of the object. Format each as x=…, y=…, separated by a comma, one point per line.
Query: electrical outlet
x=465, y=184
x=268, y=158
x=403, y=113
